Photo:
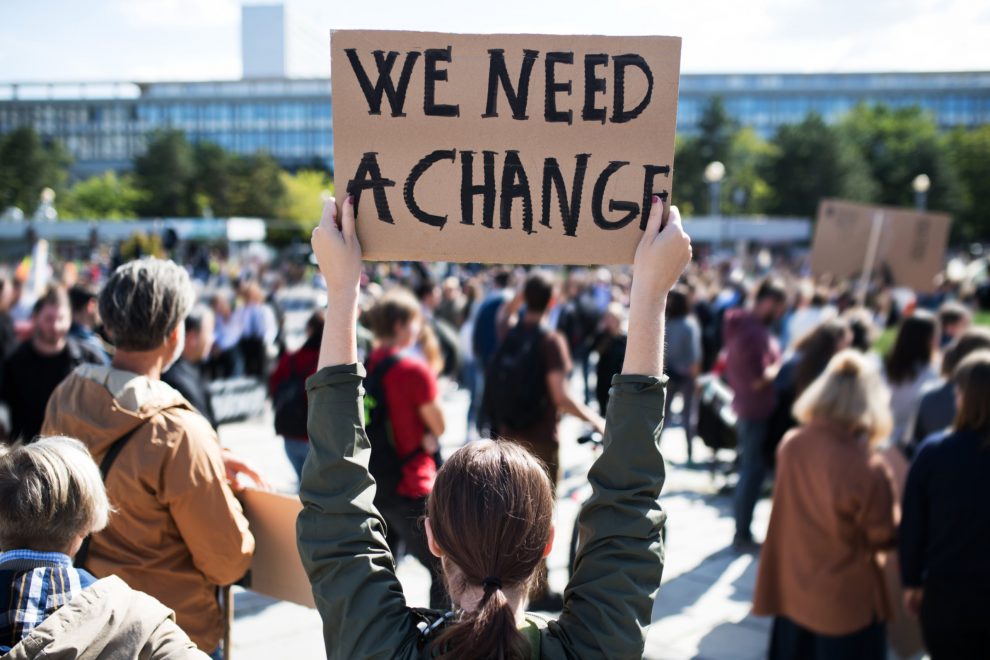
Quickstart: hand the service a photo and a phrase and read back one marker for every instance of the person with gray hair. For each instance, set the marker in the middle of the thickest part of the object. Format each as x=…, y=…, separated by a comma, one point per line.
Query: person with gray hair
x=51, y=498
x=181, y=533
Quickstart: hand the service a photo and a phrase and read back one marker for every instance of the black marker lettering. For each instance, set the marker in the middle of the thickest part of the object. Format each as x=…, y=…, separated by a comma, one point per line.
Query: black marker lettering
x=550, y=112
x=409, y=190
x=515, y=184
x=396, y=94
x=518, y=97
x=369, y=176
x=569, y=212
x=619, y=114
x=651, y=172
x=592, y=85
x=486, y=189
x=430, y=107
x=598, y=197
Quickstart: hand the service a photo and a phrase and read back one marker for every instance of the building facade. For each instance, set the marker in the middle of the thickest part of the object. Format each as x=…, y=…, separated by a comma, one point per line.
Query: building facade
x=105, y=125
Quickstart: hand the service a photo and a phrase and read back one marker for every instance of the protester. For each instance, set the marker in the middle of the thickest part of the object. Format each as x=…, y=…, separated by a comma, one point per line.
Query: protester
x=180, y=532
x=683, y=363
x=187, y=375
x=811, y=309
x=490, y=517
x=287, y=386
x=910, y=366
x=51, y=499
x=945, y=530
x=954, y=319
x=439, y=333
x=36, y=367
x=811, y=356
x=226, y=360
x=8, y=336
x=833, y=511
x=416, y=420
x=752, y=355
x=86, y=318
x=937, y=407
x=484, y=341
x=611, y=349
x=259, y=329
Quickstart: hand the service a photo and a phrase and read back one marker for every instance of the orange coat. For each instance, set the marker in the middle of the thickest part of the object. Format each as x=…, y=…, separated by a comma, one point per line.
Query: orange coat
x=833, y=512
x=178, y=532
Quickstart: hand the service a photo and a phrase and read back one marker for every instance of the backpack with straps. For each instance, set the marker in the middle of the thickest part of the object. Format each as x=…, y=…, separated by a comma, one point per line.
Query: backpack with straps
x=290, y=405
x=385, y=464
x=516, y=395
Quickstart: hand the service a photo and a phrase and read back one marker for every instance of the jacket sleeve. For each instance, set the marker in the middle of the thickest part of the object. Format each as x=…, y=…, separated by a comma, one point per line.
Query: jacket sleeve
x=914, y=521
x=878, y=511
x=340, y=533
x=208, y=516
x=608, y=603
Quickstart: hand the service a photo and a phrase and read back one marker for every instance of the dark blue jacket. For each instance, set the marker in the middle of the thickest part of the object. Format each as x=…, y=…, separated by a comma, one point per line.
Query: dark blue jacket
x=945, y=526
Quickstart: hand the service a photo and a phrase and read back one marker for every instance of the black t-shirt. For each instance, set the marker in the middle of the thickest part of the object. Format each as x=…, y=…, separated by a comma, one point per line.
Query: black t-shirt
x=29, y=378
x=188, y=379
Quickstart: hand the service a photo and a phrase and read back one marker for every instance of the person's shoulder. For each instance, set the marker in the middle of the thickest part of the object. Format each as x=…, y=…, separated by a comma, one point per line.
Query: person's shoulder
x=22, y=354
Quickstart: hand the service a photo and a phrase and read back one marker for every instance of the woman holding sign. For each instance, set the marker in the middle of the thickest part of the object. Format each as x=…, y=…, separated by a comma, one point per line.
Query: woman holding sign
x=490, y=515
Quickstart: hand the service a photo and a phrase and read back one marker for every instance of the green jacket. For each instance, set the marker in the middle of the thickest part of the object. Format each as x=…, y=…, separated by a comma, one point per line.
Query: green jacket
x=608, y=602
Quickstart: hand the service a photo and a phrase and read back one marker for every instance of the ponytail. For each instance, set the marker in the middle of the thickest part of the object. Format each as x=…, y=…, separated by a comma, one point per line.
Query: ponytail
x=487, y=633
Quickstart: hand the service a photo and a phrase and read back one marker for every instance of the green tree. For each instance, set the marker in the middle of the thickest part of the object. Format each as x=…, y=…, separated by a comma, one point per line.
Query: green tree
x=166, y=174
x=215, y=179
x=693, y=153
x=812, y=160
x=744, y=191
x=28, y=165
x=969, y=154
x=898, y=144
x=106, y=196
x=258, y=189
x=303, y=201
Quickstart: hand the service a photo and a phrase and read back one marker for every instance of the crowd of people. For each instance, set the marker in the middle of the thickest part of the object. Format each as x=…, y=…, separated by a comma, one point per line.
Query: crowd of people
x=876, y=458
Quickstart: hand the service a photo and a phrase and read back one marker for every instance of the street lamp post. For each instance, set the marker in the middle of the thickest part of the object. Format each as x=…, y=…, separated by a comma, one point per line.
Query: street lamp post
x=714, y=173
x=921, y=185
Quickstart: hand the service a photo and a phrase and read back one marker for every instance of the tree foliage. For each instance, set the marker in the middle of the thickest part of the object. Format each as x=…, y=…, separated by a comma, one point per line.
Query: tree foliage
x=812, y=160
x=28, y=165
x=103, y=197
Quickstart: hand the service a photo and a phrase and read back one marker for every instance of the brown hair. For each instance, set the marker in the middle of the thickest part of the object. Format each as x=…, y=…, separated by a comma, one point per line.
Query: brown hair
x=54, y=296
x=816, y=348
x=397, y=306
x=972, y=378
x=913, y=347
x=491, y=512
x=973, y=339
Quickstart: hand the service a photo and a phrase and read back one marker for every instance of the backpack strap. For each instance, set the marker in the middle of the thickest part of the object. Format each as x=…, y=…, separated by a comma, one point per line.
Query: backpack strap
x=108, y=460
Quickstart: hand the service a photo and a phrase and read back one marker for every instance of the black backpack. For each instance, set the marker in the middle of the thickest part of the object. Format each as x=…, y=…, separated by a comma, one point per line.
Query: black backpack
x=516, y=395
x=385, y=464
x=291, y=407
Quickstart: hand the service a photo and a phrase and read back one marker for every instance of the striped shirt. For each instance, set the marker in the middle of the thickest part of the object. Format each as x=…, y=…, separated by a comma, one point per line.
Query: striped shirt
x=32, y=586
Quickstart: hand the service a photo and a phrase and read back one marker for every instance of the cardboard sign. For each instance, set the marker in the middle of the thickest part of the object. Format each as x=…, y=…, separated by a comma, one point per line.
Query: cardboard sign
x=905, y=246
x=503, y=148
x=276, y=569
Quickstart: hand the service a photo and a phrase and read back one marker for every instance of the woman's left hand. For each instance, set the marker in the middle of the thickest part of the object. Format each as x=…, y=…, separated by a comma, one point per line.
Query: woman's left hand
x=337, y=250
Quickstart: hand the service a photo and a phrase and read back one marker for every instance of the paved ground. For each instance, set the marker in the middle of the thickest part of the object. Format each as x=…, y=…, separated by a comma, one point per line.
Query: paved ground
x=702, y=610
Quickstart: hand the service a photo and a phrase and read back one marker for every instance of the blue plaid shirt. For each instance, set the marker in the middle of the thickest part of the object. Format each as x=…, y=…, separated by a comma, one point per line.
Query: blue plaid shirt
x=32, y=586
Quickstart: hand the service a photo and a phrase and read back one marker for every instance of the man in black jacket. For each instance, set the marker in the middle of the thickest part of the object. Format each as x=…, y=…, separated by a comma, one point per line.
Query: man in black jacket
x=36, y=367
x=186, y=375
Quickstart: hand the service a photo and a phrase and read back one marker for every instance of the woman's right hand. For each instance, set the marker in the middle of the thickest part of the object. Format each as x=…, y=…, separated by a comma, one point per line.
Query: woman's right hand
x=337, y=250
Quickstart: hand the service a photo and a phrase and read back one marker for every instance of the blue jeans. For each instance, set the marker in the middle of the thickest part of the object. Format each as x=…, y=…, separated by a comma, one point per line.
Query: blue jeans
x=751, y=435
x=296, y=450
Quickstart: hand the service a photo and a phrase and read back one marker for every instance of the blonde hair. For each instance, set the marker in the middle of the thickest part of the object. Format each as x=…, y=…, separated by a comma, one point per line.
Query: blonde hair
x=850, y=393
x=51, y=492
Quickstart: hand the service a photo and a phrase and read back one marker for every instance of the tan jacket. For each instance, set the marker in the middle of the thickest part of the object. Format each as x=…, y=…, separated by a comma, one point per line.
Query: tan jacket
x=833, y=512
x=178, y=531
x=106, y=621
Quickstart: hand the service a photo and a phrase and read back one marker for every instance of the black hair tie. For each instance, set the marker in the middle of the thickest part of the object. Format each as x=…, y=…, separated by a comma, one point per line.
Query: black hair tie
x=491, y=584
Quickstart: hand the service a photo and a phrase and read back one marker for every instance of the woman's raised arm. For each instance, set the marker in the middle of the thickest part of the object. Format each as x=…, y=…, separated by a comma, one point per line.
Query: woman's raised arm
x=338, y=253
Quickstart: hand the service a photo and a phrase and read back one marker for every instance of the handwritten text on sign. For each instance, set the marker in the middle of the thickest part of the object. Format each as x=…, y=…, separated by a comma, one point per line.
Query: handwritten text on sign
x=503, y=148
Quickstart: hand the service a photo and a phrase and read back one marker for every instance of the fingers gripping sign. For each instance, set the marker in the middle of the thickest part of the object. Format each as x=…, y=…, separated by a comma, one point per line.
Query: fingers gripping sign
x=336, y=247
x=663, y=251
